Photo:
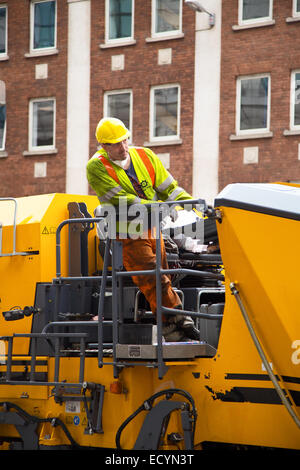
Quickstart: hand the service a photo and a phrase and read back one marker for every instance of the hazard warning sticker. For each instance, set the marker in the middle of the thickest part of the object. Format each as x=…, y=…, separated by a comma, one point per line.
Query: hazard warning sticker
x=72, y=406
x=48, y=230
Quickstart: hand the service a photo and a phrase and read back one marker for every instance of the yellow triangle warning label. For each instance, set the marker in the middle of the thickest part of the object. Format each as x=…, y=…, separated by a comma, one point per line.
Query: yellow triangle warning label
x=45, y=231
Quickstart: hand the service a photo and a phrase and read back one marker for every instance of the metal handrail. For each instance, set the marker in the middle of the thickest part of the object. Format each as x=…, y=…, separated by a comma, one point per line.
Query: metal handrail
x=115, y=275
x=86, y=220
x=262, y=355
x=83, y=220
x=157, y=272
x=47, y=336
x=14, y=252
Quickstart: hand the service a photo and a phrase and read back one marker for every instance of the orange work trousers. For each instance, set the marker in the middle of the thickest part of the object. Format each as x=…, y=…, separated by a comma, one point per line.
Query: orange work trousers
x=139, y=255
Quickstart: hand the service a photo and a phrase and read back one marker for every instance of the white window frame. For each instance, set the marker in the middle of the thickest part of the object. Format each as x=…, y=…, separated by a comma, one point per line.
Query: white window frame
x=32, y=147
x=292, y=101
x=41, y=49
x=118, y=40
x=255, y=20
x=166, y=138
x=119, y=92
x=4, y=54
x=261, y=130
x=174, y=32
x=295, y=12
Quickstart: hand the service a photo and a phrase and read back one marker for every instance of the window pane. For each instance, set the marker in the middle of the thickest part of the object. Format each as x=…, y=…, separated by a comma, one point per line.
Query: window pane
x=44, y=25
x=2, y=125
x=255, y=9
x=118, y=106
x=42, y=123
x=165, y=111
x=297, y=100
x=2, y=30
x=120, y=14
x=254, y=103
x=167, y=15
x=298, y=6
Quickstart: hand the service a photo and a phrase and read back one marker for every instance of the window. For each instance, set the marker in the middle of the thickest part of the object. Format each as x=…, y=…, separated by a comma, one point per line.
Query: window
x=2, y=115
x=3, y=30
x=253, y=104
x=43, y=25
x=296, y=7
x=295, y=100
x=119, y=20
x=253, y=11
x=164, y=112
x=42, y=124
x=166, y=17
x=2, y=125
x=118, y=104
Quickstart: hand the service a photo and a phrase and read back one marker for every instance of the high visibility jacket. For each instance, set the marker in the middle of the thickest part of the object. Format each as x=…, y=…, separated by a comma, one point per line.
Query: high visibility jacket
x=112, y=185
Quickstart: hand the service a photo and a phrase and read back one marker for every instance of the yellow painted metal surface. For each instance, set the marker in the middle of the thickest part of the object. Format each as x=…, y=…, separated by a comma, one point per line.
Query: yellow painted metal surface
x=266, y=270
x=37, y=220
x=235, y=399
x=262, y=424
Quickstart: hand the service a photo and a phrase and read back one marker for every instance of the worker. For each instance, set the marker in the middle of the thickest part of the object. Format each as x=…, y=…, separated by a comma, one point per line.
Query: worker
x=121, y=173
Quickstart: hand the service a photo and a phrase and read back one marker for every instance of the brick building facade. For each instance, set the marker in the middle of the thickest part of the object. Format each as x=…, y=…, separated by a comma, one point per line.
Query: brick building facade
x=81, y=71
x=32, y=75
x=148, y=63
x=259, y=49
x=218, y=103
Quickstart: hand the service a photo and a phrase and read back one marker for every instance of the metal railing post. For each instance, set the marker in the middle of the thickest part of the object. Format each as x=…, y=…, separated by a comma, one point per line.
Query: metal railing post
x=282, y=393
x=158, y=275
x=115, y=319
x=101, y=301
x=14, y=252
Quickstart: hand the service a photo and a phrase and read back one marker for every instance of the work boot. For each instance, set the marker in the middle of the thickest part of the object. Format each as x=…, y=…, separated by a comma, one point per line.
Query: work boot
x=181, y=327
x=190, y=331
x=171, y=333
x=186, y=324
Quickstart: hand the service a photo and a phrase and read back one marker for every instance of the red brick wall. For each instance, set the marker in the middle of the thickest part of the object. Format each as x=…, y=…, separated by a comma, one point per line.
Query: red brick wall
x=140, y=73
x=275, y=50
x=18, y=73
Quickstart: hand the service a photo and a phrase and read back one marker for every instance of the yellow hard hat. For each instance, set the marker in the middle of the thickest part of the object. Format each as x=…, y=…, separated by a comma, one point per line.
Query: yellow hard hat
x=111, y=131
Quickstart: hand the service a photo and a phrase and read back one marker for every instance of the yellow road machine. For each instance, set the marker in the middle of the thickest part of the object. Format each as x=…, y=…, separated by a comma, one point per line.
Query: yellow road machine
x=83, y=362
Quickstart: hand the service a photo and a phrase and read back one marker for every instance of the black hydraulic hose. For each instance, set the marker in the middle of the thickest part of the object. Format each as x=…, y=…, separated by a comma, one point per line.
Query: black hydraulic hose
x=124, y=424
x=35, y=419
x=147, y=405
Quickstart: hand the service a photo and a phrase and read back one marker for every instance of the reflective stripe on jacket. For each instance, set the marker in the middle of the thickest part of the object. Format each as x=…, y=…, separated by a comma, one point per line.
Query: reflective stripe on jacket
x=112, y=185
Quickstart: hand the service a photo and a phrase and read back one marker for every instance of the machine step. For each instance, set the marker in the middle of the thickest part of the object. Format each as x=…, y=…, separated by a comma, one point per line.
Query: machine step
x=178, y=350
